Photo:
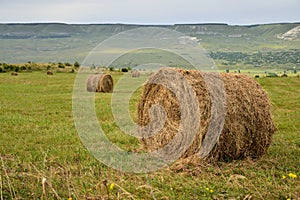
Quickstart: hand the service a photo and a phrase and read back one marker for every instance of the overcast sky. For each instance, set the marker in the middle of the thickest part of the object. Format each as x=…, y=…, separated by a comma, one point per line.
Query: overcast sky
x=150, y=11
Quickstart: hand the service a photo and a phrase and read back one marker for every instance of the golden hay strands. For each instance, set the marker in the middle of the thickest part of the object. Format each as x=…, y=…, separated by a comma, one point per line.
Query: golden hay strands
x=100, y=83
x=248, y=127
x=135, y=73
x=14, y=74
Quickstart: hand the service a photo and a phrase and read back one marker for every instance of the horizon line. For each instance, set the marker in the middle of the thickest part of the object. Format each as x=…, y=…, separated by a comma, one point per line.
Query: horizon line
x=146, y=24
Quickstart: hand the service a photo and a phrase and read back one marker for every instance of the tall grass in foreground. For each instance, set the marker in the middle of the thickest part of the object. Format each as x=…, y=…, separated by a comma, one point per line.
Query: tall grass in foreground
x=42, y=157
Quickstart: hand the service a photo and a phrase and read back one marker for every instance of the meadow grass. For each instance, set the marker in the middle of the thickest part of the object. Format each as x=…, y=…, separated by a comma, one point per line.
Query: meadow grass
x=42, y=156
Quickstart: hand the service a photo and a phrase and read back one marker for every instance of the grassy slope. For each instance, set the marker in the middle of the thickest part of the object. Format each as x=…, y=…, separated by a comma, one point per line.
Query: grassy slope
x=83, y=38
x=38, y=139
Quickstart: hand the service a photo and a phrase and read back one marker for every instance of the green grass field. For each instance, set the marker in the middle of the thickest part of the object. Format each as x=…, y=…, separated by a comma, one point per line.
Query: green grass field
x=42, y=156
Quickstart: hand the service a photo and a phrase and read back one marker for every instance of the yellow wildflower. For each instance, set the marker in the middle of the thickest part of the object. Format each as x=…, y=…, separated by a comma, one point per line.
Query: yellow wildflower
x=283, y=177
x=288, y=199
x=111, y=187
x=292, y=175
x=70, y=198
x=207, y=189
x=211, y=191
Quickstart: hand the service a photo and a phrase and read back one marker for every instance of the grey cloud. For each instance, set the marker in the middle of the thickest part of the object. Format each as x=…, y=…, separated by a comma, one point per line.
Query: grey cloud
x=154, y=11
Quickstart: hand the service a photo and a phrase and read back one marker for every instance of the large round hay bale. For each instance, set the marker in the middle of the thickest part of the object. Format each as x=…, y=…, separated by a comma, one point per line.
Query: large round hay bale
x=100, y=83
x=248, y=126
x=49, y=72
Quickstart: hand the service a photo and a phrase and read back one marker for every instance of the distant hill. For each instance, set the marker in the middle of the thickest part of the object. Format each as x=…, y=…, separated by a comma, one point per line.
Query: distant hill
x=292, y=34
x=55, y=42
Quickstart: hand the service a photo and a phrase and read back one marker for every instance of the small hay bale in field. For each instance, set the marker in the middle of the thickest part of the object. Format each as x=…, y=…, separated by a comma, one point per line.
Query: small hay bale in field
x=14, y=74
x=135, y=73
x=100, y=83
x=248, y=126
x=49, y=72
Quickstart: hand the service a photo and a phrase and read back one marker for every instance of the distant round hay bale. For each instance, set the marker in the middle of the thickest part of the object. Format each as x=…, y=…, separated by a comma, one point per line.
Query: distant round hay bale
x=135, y=73
x=248, y=127
x=100, y=83
x=49, y=72
x=14, y=74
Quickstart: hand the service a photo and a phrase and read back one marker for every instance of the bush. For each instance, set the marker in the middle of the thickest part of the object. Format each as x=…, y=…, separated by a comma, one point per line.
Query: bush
x=124, y=70
x=23, y=68
x=5, y=66
x=272, y=74
x=93, y=66
x=60, y=65
x=1, y=70
x=11, y=67
x=67, y=64
x=76, y=64
x=17, y=68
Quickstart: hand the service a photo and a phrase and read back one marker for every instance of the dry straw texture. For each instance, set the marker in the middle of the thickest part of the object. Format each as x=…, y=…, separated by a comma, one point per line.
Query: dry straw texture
x=135, y=73
x=49, y=72
x=100, y=83
x=248, y=127
x=14, y=74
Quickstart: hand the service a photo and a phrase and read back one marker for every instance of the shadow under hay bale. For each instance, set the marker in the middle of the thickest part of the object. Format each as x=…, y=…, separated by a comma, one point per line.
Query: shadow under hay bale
x=49, y=72
x=100, y=83
x=248, y=127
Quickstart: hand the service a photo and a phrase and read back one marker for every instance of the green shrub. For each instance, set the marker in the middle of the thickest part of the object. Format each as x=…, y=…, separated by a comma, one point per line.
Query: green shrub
x=17, y=68
x=5, y=66
x=93, y=66
x=60, y=65
x=11, y=67
x=67, y=64
x=124, y=70
x=272, y=74
x=76, y=64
